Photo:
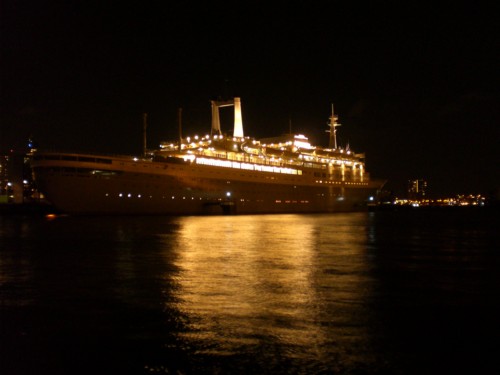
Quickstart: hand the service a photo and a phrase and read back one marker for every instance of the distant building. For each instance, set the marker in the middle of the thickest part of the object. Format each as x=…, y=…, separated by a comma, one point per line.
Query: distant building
x=5, y=189
x=16, y=180
x=417, y=189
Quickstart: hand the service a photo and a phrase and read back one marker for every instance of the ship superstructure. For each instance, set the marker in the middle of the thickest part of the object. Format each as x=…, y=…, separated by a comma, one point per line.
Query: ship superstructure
x=211, y=174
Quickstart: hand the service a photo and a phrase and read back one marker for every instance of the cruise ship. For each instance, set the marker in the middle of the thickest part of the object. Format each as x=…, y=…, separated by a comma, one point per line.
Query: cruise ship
x=213, y=174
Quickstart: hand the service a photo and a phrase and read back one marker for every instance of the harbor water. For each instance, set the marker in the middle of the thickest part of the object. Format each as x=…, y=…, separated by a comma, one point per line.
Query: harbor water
x=402, y=292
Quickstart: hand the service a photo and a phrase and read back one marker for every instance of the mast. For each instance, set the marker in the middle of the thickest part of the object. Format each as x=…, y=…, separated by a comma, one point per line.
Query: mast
x=144, y=136
x=180, y=127
x=333, y=124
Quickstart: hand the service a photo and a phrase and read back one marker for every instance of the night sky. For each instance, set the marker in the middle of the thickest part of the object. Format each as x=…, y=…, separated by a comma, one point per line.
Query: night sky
x=416, y=86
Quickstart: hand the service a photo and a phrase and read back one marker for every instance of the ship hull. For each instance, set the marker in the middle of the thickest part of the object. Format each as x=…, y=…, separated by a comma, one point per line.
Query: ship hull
x=83, y=184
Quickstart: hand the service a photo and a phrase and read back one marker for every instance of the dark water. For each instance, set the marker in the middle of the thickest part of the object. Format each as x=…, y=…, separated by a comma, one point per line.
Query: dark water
x=362, y=293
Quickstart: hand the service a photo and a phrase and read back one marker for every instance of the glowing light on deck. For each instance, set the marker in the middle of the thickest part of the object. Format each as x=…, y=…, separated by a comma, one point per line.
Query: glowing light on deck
x=247, y=166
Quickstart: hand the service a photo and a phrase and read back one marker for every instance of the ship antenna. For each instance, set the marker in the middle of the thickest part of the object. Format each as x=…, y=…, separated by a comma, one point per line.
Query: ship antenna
x=144, y=136
x=180, y=128
x=333, y=124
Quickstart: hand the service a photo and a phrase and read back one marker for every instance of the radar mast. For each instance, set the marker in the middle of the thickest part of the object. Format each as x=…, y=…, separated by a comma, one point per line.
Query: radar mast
x=333, y=124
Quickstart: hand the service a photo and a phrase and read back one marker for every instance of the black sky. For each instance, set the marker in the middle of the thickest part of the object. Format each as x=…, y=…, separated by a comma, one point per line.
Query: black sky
x=416, y=85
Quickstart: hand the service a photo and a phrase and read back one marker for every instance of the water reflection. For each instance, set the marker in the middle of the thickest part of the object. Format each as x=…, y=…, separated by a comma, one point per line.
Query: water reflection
x=243, y=294
x=395, y=292
x=294, y=284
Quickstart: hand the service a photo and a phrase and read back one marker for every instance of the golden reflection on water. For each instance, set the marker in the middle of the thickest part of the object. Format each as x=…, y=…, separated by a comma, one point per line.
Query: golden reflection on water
x=245, y=279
